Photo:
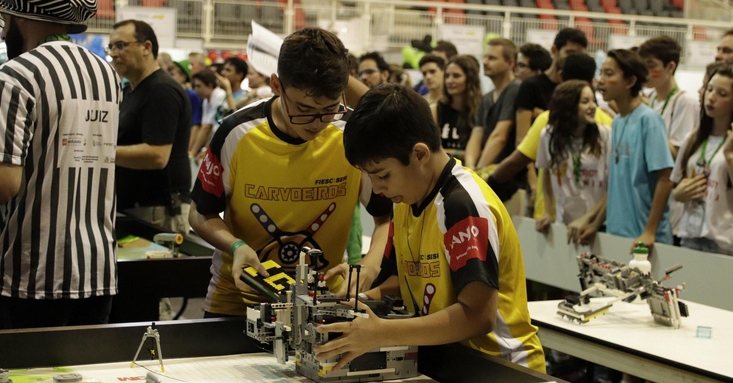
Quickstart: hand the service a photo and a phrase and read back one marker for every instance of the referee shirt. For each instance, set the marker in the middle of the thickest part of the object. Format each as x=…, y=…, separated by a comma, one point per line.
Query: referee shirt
x=59, y=112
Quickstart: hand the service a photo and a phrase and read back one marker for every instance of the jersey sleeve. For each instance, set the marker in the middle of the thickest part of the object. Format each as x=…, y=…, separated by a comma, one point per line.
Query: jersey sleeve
x=471, y=240
x=375, y=204
x=209, y=191
x=16, y=123
x=686, y=118
x=656, y=148
x=530, y=142
x=160, y=115
x=679, y=168
x=543, y=150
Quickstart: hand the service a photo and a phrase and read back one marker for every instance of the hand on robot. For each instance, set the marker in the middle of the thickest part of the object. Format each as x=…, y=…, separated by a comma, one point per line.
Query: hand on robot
x=647, y=239
x=359, y=336
x=368, y=275
x=244, y=257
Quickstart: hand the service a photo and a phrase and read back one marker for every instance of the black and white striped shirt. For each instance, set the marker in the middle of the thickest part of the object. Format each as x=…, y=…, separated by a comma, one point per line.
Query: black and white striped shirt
x=59, y=112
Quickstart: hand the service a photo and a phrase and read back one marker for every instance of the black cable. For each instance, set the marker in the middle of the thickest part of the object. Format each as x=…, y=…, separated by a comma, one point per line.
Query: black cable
x=183, y=308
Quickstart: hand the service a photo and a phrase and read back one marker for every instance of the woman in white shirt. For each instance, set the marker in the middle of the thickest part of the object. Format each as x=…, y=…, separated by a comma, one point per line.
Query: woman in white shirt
x=704, y=170
x=574, y=154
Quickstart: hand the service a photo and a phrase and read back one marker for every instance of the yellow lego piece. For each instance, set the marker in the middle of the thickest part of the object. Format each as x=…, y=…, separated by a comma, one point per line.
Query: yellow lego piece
x=268, y=265
x=273, y=278
x=596, y=314
x=324, y=370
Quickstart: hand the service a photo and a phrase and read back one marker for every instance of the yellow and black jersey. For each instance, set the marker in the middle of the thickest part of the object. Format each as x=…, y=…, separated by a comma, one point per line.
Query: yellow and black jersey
x=278, y=194
x=460, y=234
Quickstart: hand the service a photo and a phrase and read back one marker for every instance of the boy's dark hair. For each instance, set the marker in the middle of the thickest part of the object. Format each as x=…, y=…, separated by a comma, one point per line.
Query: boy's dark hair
x=447, y=47
x=205, y=76
x=240, y=66
x=728, y=33
x=631, y=66
x=431, y=58
x=539, y=58
x=143, y=32
x=509, y=50
x=387, y=123
x=663, y=48
x=353, y=63
x=578, y=66
x=571, y=35
x=315, y=61
x=378, y=59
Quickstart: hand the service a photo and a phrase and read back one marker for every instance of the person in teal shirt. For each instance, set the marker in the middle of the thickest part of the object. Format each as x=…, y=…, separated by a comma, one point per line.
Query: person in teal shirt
x=641, y=161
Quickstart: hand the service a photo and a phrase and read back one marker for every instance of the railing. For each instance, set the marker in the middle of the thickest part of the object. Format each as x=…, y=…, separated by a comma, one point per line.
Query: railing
x=385, y=24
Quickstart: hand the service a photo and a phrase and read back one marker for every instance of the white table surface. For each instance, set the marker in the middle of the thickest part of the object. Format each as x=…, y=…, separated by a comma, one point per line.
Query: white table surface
x=632, y=326
x=245, y=368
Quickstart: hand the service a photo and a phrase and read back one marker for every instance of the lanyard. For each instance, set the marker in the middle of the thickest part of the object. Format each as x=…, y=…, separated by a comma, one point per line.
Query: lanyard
x=669, y=97
x=702, y=161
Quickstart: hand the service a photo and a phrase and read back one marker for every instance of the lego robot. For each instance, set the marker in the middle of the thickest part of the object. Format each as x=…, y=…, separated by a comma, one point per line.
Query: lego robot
x=298, y=306
x=617, y=279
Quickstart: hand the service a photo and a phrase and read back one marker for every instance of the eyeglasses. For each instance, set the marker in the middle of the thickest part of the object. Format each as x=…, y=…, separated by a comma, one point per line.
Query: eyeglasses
x=305, y=119
x=521, y=65
x=118, y=46
x=367, y=72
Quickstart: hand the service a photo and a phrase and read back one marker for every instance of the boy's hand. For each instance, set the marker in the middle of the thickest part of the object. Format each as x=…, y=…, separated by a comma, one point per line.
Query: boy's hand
x=647, y=239
x=367, y=277
x=543, y=224
x=359, y=336
x=223, y=83
x=243, y=257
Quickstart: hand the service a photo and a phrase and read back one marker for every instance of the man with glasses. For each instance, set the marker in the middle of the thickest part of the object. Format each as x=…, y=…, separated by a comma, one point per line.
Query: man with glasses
x=153, y=171
x=373, y=70
x=277, y=170
x=58, y=126
x=532, y=60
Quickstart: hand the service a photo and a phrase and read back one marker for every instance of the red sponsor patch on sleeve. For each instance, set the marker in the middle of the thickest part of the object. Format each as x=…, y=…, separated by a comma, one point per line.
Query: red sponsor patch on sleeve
x=467, y=239
x=210, y=174
x=390, y=240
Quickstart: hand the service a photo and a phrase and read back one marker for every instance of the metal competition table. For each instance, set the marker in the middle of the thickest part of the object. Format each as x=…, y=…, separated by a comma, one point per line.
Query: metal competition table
x=208, y=350
x=627, y=339
x=142, y=282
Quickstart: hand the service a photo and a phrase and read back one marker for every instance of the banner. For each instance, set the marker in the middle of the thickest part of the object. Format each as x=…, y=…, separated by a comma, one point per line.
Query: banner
x=624, y=41
x=545, y=39
x=162, y=20
x=468, y=39
x=700, y=53
x=263, y=49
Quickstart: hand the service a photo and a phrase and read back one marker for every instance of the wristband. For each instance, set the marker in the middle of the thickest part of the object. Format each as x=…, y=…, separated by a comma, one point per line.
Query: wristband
x=236, y=246
x=458, y=152
x=229, y=95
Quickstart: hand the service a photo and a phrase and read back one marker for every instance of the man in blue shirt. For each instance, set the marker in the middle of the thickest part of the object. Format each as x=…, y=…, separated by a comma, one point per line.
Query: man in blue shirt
x=641, y=161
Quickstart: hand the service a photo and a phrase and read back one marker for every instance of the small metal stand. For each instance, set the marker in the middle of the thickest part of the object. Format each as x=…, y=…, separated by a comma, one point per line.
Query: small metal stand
x=5, y=376
x=152, y=332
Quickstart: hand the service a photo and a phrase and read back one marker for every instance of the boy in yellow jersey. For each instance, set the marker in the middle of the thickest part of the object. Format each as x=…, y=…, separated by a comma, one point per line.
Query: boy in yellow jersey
x=277, y=170
x=453, y=249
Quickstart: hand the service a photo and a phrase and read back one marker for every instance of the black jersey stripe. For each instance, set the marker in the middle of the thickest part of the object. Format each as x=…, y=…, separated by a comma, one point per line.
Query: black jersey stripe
x=92, y=75
x=82, y=80
x=65, y=67
x=90, y=231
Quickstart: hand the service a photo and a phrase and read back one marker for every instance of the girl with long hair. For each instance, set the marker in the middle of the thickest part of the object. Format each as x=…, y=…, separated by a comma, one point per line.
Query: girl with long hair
x=704, y=170
x=456, y=111
x=573, y=153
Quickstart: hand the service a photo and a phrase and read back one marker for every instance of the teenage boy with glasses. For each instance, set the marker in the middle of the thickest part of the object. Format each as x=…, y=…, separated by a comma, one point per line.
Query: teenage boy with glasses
x=278, y=171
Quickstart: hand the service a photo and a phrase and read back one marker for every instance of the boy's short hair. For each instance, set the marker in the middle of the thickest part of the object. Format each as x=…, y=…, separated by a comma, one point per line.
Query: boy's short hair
x=572, y=35
x=578, y=66
x=378, y=59
x=632, y=66
x=509, y=50
x=663, y=48
x=353, y=63
x=387, y=123
x=431, y=58
x=238, y=64
x=315, y=61
x=205, y=76
x=539, y=58
x=447, y=47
